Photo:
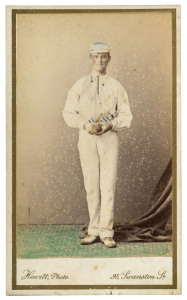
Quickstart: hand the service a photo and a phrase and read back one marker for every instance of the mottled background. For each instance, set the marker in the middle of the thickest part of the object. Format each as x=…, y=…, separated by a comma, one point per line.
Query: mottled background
x=52, y=53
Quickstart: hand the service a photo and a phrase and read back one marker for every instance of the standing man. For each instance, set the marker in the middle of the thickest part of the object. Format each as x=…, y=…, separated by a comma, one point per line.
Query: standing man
x=98, y=106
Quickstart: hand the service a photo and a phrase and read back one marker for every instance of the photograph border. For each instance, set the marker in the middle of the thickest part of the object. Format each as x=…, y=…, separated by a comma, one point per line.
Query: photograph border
x=175, y=154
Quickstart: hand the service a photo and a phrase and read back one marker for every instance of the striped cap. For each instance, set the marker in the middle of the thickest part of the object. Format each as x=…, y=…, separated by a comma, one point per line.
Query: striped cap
x=99, y=48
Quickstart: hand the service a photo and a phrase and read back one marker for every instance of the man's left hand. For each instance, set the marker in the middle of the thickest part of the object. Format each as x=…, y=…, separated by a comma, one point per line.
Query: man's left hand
x=105, y=127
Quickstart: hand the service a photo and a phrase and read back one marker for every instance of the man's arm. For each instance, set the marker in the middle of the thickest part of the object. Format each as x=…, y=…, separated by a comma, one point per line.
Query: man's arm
x=71, y=113
x=124, y=115
x=71, y=110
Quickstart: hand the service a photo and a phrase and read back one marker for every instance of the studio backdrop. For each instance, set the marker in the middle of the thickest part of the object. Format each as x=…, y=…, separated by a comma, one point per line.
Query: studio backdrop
x=52, y=54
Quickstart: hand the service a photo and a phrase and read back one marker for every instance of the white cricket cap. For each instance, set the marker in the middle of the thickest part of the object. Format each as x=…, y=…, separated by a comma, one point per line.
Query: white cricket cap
x=99, y=48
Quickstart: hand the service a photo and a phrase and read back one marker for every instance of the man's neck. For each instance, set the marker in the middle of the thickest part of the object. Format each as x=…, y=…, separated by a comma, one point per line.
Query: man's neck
x=98, y=73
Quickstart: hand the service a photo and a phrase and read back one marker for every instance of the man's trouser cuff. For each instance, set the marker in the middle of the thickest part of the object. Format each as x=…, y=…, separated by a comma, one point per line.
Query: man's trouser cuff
x=104, y=235
x=93, y=232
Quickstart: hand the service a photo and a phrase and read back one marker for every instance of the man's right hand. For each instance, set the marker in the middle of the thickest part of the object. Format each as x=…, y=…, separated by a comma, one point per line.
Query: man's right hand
x=89, y=127
x=92, y=128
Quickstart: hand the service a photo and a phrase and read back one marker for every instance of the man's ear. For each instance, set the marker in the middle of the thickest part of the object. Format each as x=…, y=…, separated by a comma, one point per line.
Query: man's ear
x=109, y=59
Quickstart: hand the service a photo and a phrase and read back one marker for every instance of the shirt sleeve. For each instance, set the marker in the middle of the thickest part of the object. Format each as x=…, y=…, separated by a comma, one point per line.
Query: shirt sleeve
x=124, y=115
x=71, y=110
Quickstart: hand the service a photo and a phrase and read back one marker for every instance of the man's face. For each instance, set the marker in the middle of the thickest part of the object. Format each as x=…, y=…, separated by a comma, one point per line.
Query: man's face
x=100, y=61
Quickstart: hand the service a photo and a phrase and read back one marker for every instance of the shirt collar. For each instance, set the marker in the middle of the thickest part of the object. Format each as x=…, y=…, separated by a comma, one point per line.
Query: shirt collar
x=94, y=76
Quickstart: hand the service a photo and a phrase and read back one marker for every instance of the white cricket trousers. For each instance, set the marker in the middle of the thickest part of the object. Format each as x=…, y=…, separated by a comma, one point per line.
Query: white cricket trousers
x=99, y=156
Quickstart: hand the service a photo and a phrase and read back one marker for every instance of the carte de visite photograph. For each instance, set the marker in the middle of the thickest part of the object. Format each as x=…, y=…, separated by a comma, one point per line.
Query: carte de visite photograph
x=93, y=150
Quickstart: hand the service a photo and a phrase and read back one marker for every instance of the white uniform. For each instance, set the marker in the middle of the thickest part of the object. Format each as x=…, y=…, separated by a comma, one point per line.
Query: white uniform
x=89, y=98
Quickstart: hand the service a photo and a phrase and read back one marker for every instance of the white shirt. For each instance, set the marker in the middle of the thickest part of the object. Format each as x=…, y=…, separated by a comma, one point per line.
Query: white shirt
x=87, y=101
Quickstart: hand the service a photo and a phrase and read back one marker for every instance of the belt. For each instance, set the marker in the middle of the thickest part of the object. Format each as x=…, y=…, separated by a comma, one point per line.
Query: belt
x=102, y=118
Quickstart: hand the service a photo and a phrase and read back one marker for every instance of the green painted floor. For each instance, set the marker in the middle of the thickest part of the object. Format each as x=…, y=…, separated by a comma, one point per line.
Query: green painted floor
x=41, y=241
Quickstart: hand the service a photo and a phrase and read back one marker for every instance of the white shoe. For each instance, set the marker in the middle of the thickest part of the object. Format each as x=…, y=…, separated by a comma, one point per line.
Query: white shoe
x=109, y=242
x=89, y=239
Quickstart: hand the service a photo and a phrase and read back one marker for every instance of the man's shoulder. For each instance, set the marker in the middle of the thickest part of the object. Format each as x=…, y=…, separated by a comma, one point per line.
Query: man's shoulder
x=80, y=81
x=115, y=82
